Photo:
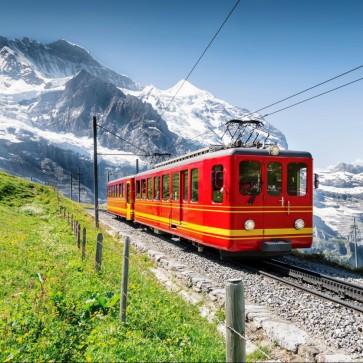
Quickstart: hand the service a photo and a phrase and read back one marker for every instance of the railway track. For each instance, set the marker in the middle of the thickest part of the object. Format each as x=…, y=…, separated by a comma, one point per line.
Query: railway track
x=329, y=288
x=328, y=324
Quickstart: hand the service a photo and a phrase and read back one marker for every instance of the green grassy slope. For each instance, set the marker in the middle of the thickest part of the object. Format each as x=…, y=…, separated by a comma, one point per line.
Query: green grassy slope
x=55, y=307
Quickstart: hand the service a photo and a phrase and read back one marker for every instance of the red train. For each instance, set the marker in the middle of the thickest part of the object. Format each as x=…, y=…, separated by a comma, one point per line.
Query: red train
x=242, y=201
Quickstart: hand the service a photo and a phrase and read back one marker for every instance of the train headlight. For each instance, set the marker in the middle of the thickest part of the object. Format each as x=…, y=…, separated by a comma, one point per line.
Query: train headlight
x=274, y=150
x=299, y=224
x=249, y=225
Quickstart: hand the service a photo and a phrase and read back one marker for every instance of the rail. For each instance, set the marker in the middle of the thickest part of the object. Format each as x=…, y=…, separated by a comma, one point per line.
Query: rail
x=342, y=289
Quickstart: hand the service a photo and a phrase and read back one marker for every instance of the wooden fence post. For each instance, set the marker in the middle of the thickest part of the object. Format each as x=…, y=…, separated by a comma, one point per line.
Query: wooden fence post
x=125, y=277
x=78, y=235
x=75, y=229
x=235, y=322
x=84, y=244
x=99, y=252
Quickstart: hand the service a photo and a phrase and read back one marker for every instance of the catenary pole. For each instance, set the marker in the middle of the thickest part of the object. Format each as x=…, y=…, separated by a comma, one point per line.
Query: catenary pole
x=95, y=170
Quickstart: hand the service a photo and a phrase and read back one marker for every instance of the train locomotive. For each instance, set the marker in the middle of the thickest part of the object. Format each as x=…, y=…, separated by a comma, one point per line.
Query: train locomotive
x=247, y=199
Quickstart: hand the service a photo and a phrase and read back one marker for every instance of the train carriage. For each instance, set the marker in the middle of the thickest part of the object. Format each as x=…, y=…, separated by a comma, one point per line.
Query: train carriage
x=121, y=197
x=242, y=201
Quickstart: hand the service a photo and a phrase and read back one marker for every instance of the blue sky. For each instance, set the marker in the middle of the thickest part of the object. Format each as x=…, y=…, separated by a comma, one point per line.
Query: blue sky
x=268, y=50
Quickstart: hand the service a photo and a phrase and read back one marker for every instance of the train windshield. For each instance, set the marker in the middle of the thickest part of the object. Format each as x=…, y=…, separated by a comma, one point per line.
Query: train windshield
x=250, y=178
x=278, y=179
x=274, y=178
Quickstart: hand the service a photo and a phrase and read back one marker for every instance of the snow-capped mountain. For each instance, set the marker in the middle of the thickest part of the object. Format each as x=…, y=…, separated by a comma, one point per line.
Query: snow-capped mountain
x=337, y=202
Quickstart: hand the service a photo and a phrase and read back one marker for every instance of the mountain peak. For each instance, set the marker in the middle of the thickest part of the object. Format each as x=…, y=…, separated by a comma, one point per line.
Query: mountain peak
x=185, y=89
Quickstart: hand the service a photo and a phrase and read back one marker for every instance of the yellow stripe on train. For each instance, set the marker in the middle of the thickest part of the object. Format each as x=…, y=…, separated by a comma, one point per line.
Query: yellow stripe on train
x=197, y=228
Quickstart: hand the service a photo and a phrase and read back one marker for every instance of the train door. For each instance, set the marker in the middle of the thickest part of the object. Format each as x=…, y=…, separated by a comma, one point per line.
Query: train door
x=286, y=197
x=183, y=194
x=176, y=200
x=128, y=201
x=251, y=189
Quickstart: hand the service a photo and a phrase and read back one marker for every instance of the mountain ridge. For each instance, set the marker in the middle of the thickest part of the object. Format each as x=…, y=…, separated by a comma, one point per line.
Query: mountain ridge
x=61, y=59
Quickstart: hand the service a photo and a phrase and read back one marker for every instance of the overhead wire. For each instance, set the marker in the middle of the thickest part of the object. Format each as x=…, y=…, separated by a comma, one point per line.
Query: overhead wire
x=308, y=89
x=316, y=96
x=121, y=138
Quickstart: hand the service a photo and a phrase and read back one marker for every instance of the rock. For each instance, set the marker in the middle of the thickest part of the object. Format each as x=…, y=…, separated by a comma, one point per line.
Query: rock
x=287, y=336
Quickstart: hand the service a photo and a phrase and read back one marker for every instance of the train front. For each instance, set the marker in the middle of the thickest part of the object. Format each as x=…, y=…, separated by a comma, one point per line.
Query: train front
x=271, y=202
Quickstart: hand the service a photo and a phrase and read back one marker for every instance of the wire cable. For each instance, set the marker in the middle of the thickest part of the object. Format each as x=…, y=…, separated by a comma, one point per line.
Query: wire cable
x=308, y=89
x=199, y=59
x=121, y=138
x=310, y=98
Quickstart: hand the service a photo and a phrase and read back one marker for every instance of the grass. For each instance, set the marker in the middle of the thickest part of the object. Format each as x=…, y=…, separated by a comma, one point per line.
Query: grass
x=259, y=355
x=55, y=307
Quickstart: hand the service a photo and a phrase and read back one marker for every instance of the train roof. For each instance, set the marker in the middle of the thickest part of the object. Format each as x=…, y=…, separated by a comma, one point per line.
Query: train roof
x=217, y=151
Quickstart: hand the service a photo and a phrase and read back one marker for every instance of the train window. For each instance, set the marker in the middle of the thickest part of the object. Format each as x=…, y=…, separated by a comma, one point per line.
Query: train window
x=217, y=183
x=296, y=179
x=274, y=178
x=175, y=185
x=250, y=178
x=157, y=188
x=166, y=187
x=184, y=174
x=128, y=190
x=194, y=188
x=138, y=189
x=149, y=188
x=122, y=190
x=143, y=189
